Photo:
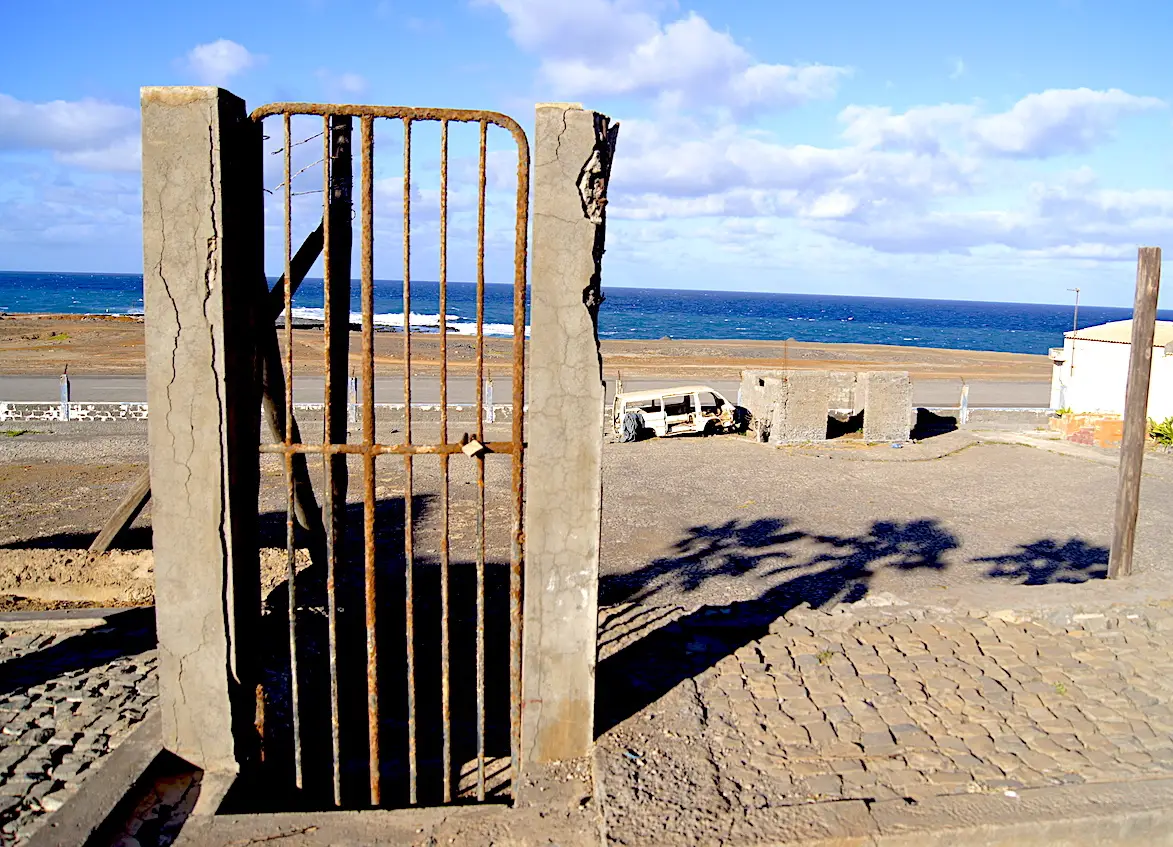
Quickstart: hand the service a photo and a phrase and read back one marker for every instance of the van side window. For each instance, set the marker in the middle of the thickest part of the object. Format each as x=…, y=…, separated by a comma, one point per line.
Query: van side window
x=710, y=403
x=679, y=404
x=645, y=406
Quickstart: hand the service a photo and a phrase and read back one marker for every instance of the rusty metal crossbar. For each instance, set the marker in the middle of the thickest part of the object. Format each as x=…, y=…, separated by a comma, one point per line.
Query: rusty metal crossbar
x=335, y=448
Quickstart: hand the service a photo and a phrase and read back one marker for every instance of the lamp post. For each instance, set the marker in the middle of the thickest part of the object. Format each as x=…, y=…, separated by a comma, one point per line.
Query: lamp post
x=1074, y=326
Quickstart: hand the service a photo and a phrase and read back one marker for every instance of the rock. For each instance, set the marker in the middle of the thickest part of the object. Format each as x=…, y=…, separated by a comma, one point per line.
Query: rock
x=880, y=599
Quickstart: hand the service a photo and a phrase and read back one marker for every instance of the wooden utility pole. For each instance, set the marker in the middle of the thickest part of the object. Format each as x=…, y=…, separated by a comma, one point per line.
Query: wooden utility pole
x=1136, y=404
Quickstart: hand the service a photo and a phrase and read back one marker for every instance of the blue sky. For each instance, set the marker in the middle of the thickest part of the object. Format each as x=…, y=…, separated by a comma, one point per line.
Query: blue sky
x=963, y=150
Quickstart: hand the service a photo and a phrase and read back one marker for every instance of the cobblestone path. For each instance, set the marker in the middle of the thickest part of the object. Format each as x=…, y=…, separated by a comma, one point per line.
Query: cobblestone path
x=67, y=698
x=868, y=703
x=711, y=719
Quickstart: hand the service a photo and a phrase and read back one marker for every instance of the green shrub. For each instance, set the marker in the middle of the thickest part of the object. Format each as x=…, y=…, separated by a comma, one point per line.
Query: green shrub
x=1066, y=410
x=1162, y=432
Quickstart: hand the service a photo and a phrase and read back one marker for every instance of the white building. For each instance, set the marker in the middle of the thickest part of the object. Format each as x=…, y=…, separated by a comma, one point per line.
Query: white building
x=1091, y=370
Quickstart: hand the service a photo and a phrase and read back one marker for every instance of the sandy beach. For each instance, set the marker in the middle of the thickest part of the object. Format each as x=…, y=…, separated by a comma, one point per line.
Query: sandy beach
x=100, y=346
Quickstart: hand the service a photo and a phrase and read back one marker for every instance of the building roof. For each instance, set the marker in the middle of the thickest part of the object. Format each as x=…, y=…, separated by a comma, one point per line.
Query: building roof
x=1120, y=332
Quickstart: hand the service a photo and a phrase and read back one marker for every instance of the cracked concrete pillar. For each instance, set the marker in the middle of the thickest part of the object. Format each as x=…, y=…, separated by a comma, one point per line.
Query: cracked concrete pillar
x=573, y=149
x=202, y=257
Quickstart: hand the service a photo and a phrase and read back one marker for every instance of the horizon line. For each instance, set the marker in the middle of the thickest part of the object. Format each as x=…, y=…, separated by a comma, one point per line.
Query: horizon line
x=660, y=288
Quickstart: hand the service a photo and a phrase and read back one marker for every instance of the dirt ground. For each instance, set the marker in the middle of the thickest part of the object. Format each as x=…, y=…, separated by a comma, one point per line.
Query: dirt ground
x=45, y=344
x=687, y=521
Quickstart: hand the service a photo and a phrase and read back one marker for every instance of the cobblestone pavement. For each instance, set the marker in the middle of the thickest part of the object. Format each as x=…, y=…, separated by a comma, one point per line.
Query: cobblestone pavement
x=883, y=703
x=67, y=698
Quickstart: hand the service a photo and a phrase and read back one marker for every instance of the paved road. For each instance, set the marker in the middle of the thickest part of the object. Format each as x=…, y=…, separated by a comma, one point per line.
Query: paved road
x=928, y=392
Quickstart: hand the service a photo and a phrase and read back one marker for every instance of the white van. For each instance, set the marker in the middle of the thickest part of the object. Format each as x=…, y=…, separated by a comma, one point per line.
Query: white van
x=670, y=411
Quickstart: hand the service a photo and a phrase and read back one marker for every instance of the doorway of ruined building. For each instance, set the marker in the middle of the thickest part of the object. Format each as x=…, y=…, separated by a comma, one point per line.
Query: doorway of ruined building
x=389, y=651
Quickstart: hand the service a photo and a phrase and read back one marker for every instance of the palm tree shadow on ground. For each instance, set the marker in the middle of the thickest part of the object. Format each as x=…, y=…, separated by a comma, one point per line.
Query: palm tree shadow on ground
x=1049, y=562
x=644, y=670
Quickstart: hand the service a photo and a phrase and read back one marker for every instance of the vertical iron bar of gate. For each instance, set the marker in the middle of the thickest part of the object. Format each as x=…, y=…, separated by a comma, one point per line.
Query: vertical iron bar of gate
x=444, y=680
x=328, y=460
x=337, y=241
x=480, y=460
x=290, y=552
x=368, y=441
x=408, y=563
x=517, y=545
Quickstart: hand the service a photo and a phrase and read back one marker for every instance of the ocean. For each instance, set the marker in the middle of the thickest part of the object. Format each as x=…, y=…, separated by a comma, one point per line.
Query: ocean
x=631, y=313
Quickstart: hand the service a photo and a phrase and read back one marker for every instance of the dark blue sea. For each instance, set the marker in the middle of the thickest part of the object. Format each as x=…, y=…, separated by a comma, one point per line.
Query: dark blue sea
x=643, y=313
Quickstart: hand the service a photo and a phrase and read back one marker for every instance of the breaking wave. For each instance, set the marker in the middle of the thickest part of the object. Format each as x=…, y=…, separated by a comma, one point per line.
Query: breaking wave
x=394, y=321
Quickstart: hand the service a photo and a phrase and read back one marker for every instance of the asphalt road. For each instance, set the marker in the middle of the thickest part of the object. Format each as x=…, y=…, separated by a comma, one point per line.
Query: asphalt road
x=461, y=389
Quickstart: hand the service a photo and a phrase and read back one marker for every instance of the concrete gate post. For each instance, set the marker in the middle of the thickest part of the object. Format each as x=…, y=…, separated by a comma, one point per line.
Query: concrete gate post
x=202, y=259
x=573, y=149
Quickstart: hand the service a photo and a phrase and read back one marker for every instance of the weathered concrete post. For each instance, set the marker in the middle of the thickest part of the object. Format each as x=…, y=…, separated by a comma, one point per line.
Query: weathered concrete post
x=65, y=394
x=202, y=258
x=887, y=405
x=573, y=149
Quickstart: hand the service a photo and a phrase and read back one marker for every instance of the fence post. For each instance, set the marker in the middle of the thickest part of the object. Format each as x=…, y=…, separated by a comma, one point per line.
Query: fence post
x=354, y=399
x=202, y=257
x=573, y=149
x=963, y=412
x=65, y=394
x=490, y=415
x=1136, y=411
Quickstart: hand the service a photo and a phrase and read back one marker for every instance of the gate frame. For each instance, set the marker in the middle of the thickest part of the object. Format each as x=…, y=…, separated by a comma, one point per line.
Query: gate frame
x=369, y=449
x=205, y=306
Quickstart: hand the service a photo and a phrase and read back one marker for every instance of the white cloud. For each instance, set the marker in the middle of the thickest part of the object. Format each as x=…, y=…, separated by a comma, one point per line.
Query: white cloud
x=63, y=125
x=347, y=84
x=49, y=209
x=125, y=154
x=730, y=170
x=89, y=133
x=923, y=128
x=1051, y=123
x=1058, y=121
x=584, y=28
x=1071, y=218
x=919, y=194
x=930, y=179
x=600, y=48
x=833, y=204
x=218, y=61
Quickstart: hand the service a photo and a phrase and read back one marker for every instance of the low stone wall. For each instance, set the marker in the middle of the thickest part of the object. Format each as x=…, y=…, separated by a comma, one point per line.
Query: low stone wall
x=29, y=411
x=76, y=412
x=1013, y=418
x=1101, y=430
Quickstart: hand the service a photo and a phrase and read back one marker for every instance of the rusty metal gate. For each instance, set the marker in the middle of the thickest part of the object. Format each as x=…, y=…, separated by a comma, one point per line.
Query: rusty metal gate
x=333, y=239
